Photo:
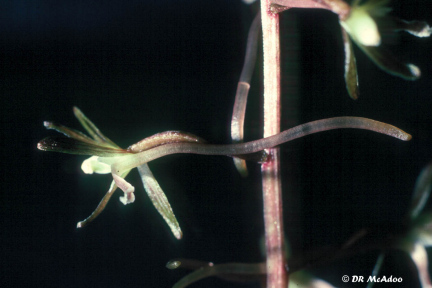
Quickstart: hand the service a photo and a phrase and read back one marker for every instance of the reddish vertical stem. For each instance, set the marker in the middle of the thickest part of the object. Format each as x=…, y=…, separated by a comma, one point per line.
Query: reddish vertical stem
x=271, y=180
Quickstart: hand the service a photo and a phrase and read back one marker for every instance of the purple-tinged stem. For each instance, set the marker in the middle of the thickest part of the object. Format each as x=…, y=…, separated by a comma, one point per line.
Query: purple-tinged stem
x=277, y=276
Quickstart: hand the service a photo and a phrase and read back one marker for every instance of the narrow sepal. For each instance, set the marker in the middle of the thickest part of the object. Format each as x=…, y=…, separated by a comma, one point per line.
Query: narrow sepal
x=92, y=129
x=159, y=200
x=351, y=77
x=69, y=132
x=73, y=146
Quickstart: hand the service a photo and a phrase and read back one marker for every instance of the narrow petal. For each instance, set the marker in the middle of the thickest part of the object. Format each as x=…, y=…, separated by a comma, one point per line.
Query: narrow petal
x=101, y=205
x=92, y=129
x=69, y=132
x=422, y=191
x=159, y=199
x=126, y=187
x=351, y=78
x=389, y=63
x=73, y=146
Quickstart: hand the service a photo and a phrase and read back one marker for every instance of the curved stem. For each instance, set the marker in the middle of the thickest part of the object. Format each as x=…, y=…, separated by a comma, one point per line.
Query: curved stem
x=129, y=161
x=239, y=110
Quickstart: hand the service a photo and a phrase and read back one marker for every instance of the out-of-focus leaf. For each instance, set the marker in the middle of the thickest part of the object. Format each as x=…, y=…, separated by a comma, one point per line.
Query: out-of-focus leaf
x=351, y=78
x=73, y=146
x=229, y=271
x=159, y=200
x=422, y=191
x=376, y=269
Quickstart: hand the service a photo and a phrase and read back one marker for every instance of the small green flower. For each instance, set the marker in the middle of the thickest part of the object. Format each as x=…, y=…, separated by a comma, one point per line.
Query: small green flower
x=361, y=26
x=108, y=157
x=100, y=146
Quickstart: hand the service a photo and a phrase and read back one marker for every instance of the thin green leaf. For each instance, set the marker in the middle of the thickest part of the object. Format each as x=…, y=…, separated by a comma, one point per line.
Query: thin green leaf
x=159, y=200
x=389, y=63
x=351, y=78
x=93, y=130
x=73, y=146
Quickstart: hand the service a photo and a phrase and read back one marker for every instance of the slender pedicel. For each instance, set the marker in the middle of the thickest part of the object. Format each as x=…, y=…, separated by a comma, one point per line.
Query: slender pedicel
x=120, y=164
x=239, y=110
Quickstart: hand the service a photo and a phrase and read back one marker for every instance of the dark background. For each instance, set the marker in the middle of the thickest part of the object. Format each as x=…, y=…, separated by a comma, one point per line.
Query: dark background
x=140, y=67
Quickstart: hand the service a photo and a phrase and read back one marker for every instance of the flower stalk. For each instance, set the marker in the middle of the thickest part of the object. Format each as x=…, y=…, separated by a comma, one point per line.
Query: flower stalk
x=277, y=275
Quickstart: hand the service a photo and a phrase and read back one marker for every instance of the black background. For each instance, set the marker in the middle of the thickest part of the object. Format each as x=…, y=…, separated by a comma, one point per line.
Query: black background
x=136, y=68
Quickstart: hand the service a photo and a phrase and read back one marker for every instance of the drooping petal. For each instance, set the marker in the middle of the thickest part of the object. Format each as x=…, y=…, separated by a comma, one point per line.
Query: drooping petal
x=389, y=63
x=351, y=78
x=126, y=187
x=92, y=129
x=101, y=205
x=159, y=199
x=73, y=146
